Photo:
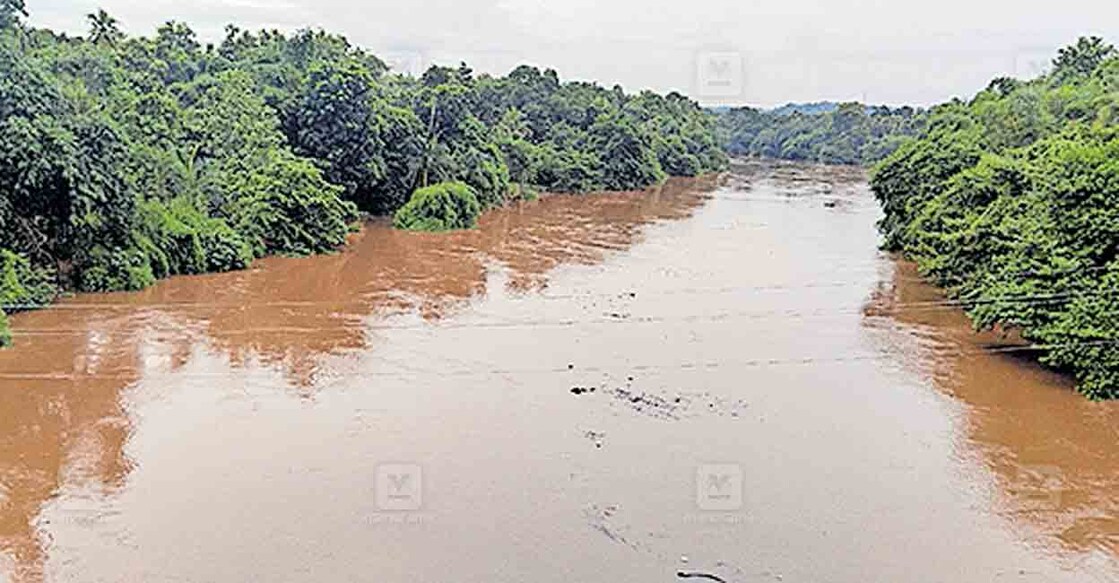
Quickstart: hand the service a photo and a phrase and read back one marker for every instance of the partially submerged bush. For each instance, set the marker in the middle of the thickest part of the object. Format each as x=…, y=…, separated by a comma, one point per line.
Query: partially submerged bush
x=5, y=333
x=172, y=239
x=289, y=208
x=224, y=248
x=183, y=240
x=445, y=206
x=23, y=286
x=116, y=270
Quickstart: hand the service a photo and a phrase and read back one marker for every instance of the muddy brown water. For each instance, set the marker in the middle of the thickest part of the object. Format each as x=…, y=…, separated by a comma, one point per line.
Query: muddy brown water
x=584, y=389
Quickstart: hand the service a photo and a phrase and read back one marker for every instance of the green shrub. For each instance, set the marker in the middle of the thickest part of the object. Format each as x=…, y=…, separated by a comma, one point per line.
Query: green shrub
x=180, y=239
x=289, y=208
x=115, y=270
x=172, y=230
x=444, y=206
x=23, y=286
x=5, y=333
x=1082, y=337
x=225, y=250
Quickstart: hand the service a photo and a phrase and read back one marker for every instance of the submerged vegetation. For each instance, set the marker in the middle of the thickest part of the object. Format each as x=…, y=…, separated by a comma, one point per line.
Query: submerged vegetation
x=127, y=159
x=440, y=207
x=848, y=133
x=1011, y=201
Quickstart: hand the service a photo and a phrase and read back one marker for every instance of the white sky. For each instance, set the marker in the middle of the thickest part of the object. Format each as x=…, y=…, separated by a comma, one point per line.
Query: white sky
x=718, y=51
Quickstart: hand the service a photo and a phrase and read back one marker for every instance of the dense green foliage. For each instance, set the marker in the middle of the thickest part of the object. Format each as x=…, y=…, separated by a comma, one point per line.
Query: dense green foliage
x=440, y=207
x=849, y=133
x=21, y=287
x=1011, y=201
x=124, y=160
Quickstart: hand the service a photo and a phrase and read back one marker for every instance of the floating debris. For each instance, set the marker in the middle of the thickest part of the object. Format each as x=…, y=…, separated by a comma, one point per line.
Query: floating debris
x=596, y=437
x=600, y=518
x=698, y=575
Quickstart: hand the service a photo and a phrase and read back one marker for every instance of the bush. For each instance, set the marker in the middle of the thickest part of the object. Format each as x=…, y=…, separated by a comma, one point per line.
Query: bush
x=289, y=208
x=5, y=333
x=172, y=230
x=22, y=286
x=1082, y=337
x=115, y=270
x=225, y=250
x=445, y=206
x=180, y=239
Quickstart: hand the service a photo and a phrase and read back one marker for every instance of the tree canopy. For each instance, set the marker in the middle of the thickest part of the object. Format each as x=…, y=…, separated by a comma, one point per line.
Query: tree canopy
x=1011, y=201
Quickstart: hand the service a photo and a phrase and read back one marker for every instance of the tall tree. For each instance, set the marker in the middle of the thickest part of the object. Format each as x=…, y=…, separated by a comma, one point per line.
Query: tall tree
x=1082, y=58
x=103, y=28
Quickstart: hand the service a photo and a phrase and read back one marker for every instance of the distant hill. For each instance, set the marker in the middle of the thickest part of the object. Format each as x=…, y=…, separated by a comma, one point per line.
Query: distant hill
x=822, y=107
x=816, y=108
x=806, y=108
x=838, y=133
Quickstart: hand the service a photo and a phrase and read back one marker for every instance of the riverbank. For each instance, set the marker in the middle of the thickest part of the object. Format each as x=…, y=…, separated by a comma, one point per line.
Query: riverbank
x=7, y=337
x=158, y=156
x=1019, y=221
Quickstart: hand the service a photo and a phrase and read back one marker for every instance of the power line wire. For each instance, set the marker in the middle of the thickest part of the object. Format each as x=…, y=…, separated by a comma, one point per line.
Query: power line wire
x=627, y=319
x=679, y=291
x=710, y=365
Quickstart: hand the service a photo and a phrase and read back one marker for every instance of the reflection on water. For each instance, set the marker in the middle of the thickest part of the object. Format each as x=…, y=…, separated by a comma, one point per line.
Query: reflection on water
x=1054, y=455
x=61, y=387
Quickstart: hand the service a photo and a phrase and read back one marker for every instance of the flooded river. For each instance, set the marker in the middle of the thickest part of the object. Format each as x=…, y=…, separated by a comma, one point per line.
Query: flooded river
x=719, y=376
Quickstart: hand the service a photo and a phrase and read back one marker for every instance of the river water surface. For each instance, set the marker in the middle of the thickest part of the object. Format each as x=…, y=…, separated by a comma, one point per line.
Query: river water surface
x=719, y=375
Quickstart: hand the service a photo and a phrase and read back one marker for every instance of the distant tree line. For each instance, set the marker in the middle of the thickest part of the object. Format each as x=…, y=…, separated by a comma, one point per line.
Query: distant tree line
x=1011, y=201
x=847, y=133
x=127, y=159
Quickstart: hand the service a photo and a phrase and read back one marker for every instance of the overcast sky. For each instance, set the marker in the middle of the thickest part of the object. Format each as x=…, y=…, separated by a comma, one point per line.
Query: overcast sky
x=758, y=52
